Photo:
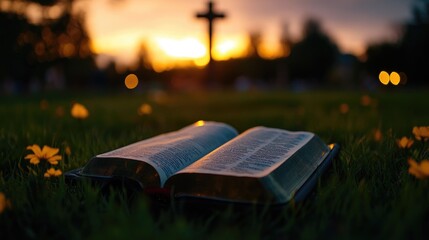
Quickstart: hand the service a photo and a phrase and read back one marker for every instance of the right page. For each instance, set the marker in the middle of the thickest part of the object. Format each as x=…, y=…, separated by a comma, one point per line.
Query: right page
x=270, y=163
x=255, y=153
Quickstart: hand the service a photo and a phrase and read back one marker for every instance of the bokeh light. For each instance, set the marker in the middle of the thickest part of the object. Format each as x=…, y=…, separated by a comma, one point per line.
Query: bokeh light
x=384, y=77
x=395, y=78
x=131, y=81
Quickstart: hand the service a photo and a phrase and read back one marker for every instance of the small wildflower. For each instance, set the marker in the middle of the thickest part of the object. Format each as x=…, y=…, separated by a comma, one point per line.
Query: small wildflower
x=67, y=150
x=405, y=142
x=144, y=109
x=52, y=172
x=378, y=135
x=344, y=108
x=44, y=105
x=79, y=111
x=365, y=100
x=59, y=111
x=47, y=153
x=4, y=203
x=421, y=133
x=419, y=170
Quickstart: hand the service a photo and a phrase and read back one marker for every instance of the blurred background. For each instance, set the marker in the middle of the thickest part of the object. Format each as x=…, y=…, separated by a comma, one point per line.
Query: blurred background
x=117, y=45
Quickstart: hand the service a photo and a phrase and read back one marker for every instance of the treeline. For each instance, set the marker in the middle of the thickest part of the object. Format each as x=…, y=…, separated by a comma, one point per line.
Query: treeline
x=410, y=54
x=43, y=52
x=53, y=52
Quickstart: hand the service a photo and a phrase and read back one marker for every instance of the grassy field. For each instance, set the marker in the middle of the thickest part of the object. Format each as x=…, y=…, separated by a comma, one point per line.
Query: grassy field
x=367, y=193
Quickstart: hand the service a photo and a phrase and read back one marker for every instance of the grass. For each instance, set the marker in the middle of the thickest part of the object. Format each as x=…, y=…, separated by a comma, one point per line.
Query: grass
x=367, y=193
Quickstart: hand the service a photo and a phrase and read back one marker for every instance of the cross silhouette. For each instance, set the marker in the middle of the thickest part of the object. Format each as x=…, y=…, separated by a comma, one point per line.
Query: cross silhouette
x=210, y=15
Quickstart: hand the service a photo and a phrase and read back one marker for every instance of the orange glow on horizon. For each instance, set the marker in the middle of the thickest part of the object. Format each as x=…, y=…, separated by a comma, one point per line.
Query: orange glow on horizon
x=187, y=48
x=231, y=47
x=194, y=50
x=270, y=50
x=117, y=29
x=169, y=52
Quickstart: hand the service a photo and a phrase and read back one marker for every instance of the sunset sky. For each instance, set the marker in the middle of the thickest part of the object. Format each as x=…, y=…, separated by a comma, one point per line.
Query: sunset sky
x=171, y=31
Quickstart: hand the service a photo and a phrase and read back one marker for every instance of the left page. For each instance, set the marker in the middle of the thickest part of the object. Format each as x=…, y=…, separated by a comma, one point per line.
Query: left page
x=171, y=152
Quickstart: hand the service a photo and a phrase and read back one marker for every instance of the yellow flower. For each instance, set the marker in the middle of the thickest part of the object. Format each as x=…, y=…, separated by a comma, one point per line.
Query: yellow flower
x=405, y=142
x=47, y=153
x=4, y=202
x=421, y=133
x=419, y=170
x=52, y=172
x=144, y=109
x=79, y=111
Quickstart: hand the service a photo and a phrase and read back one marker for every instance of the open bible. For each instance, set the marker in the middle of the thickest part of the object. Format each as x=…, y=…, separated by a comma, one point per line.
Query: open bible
x=211, y=161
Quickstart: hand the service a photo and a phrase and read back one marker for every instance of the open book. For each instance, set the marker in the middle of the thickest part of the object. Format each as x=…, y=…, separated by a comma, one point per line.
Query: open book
x=210, y=160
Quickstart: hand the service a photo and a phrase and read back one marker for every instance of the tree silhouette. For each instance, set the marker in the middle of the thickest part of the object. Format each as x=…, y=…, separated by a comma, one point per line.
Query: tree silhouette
x=383, y=57
x=285, y=41
x=414, y=47
x=409, y=55
x=30, y=49
x=254, y=41
x=16, y=47
x=312, y=57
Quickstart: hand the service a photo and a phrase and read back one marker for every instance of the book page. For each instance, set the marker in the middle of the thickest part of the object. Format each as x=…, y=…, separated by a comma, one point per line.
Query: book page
x=170, y=152
x=255, y=153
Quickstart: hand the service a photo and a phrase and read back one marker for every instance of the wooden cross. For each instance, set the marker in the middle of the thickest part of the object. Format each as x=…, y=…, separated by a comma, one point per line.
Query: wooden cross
x=210, y=15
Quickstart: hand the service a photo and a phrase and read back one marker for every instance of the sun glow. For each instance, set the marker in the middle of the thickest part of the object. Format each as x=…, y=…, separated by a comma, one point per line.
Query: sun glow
x=231, y=47
x=270, y=50
x=167, y=52
x=170, y=52
x=192, y=51
x=115, y=43
x=223, y=50
x=187, y=48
